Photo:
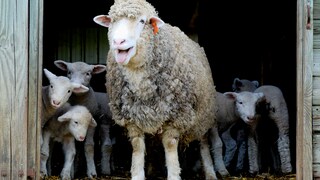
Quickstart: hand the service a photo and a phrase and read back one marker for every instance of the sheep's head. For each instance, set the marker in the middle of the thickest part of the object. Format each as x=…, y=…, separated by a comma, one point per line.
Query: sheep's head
x=61, y=88
x=80, y=72
x=79, y=119
x=244, y=85
x=131, y=26
x=246, y=103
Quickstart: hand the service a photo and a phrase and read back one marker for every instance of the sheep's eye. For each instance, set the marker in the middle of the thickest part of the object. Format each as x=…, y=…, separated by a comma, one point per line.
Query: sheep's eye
x=69, y=91
x=76, y=122
x=51, y=86
x=240, y=102
x=88, y=74
x=142, y=21
x=69, y=72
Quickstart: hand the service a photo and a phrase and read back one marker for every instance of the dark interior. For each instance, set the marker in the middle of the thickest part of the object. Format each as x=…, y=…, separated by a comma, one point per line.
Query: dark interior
x=253, y=40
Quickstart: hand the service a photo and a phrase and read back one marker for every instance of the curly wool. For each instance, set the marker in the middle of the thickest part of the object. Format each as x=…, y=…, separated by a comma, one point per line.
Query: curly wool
x=176, y=86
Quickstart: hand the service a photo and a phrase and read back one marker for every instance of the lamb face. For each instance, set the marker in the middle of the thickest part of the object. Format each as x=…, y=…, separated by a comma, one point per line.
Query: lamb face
x=245, y=104
x=79, y=119
x=60, y=89
x=80, y=72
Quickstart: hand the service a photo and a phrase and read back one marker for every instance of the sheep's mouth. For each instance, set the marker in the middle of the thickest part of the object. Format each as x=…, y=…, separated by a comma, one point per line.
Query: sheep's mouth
x=122, y=55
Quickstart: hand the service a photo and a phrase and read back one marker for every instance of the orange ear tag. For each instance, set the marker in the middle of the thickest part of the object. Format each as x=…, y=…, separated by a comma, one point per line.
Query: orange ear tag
x=155, y=28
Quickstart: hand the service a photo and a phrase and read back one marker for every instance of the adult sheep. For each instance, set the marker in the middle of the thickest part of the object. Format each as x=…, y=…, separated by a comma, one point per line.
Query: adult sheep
x=159, y=82
x=275, y=109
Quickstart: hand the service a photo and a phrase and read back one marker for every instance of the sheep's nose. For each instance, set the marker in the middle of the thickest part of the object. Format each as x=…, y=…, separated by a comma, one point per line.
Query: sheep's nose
x=250, y=117
x=118, y=41
x=57, y=103
x=81, y=138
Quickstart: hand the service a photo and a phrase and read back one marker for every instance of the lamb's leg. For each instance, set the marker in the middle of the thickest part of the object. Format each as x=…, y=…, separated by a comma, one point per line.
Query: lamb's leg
x=106, y=149
x=44, y=154
x=170, y=140
x=230, y=145
x=253, y=151
x=69, y=150
x=216, y=149
x=138, y=151
x=242, y=148
x=206, y=159
x=284, y=143
x=89, y=152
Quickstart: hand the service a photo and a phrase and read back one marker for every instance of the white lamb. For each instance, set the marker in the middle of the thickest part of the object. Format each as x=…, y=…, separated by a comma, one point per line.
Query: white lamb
x=56, y=94
x=82, y=73
x=68, y=124
x=159, y=82
x=234, y=107
x=274, y=109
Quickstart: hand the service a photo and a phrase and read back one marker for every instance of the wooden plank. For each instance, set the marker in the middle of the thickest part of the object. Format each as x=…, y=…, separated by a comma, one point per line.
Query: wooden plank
x=7, y=88
x=19, y=120
x=316, y=155
x=91, y=47
x=316, y=9
x=64, y=51
x=103, y=45
x=316, y=119
x=77, y=45
x=304, y=93
x=34, y=88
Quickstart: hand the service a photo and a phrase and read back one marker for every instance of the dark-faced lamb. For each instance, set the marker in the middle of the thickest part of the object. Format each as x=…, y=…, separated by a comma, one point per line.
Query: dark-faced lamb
x=159, y=82
x=240, y=85
x=232, y=108
x=56, y=94
x=81, y=72
x=274, y=109
x=68, y=124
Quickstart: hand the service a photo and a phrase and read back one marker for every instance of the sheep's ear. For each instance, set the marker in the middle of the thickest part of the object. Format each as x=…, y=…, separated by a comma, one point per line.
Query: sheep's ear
x=237, y=82
x=102, y=20
x=230, y=95
x=79, y=88
x=61, y=65
x=93, y=123
x=261, y=96
x=157, y=21
x=49, y=74
x=98, y=69
x=256, y=83
x=65, y=117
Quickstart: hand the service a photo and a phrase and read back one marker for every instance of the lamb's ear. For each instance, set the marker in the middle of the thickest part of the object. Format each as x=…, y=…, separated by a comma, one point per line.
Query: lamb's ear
x=64, y=117
x=261, y=96
x=98, y=69
x=61, y=65
x=79, y=88
x=230, y=95
x=156, y=23
x=49, y=74
x=256, y=83
x=102, y=20
x=93, y=123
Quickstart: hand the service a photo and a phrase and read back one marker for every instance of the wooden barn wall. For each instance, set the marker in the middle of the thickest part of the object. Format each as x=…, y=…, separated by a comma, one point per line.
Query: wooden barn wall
x=316, y=89
x=20, y=57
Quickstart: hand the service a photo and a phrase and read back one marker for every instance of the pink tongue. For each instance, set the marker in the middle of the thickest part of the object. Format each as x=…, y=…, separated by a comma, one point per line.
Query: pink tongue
x=121, y=57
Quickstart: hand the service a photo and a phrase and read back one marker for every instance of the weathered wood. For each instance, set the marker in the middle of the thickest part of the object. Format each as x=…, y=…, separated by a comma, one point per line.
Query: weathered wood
x=64, y=45
x=103, y=45
x=77, y=46
x=34, y=88
x=91, y=46
x=304, y=92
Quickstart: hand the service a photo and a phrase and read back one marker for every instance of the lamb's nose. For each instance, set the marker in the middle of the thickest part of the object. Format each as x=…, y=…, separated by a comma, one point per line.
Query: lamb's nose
x=57, y=103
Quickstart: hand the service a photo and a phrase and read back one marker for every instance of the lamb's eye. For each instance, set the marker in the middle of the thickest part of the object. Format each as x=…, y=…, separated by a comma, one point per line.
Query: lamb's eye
x=51, y=86
x=69, y=72
x=69, y=91
x=76, y=122
x=88, y=73
x=240, y=102
x=142, y=21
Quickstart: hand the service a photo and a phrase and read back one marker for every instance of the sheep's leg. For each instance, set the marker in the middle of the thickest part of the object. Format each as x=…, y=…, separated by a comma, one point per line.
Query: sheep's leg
x=170, y=140
x=216, y=149
x=230, y=145
x=44, y=154
x=138, y=151
x=69, y=150
x=253, y=151
x=106, y=149
x=242, y=148
x=206, y=159
x=89, y=152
